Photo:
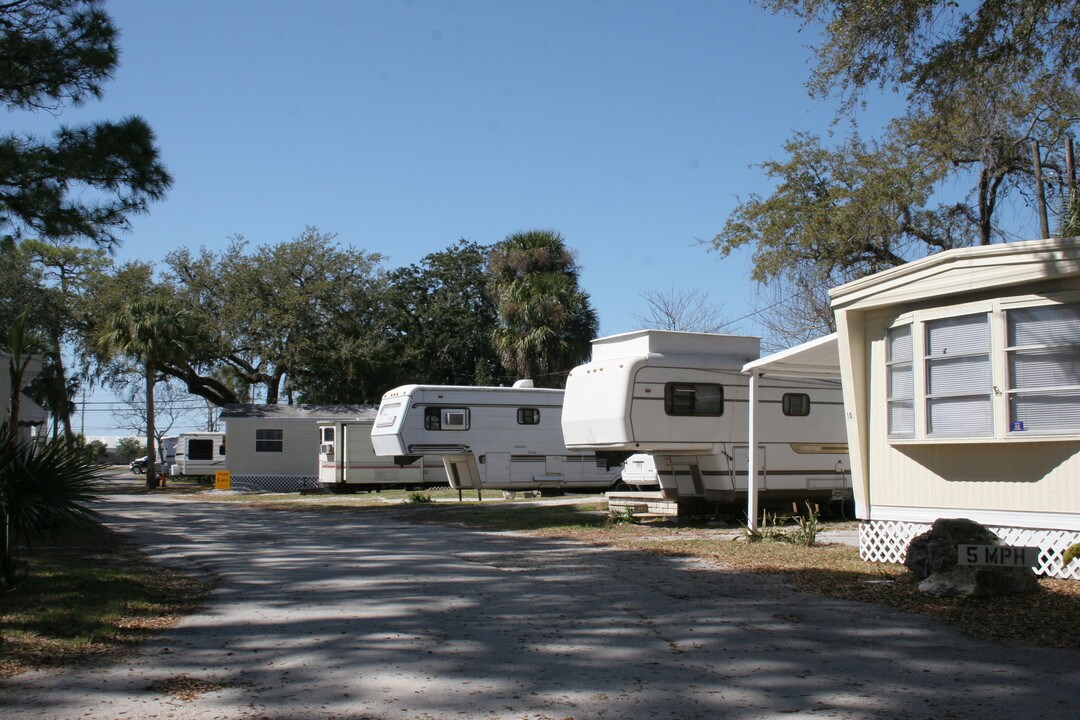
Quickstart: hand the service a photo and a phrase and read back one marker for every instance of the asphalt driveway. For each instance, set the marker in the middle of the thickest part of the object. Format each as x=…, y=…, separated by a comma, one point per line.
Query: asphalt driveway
x=334, y=615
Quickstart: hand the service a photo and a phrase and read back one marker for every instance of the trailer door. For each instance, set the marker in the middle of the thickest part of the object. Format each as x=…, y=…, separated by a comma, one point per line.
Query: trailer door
x=497, y=468
x=329, y=462
x=554, y=466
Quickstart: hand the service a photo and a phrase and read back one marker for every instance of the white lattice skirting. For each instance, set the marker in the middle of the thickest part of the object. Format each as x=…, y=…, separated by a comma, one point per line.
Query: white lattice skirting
x=273, y=483
x=887, y=541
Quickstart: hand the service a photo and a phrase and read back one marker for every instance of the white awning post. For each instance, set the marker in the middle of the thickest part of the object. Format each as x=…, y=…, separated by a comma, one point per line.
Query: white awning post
x=752, y=475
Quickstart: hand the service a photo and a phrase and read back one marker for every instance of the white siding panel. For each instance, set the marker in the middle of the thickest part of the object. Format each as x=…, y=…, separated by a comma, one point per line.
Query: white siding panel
x=1031, y=477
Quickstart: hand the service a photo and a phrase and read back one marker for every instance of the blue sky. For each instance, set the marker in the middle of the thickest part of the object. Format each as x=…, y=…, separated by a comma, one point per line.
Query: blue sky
x=630, y=127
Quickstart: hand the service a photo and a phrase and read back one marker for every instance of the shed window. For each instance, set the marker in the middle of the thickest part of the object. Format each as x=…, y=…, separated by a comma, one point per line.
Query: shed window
x=1044, y=368
x=528, y=416
x=900, y=393
x=269, y=440
x=959, y=390
x=440, y=418
x=795, y=404
x=693, y=399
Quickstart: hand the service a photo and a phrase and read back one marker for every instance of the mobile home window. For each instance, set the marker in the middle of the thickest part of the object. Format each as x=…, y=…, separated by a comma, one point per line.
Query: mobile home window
x=1043, y=353
x=328, y=434
x=528, y=416
x=959, y=390
x=267, y=440
x=900, y=392
x=200, y=449
x=694, y=399
x=795, y=404
x=440, y=418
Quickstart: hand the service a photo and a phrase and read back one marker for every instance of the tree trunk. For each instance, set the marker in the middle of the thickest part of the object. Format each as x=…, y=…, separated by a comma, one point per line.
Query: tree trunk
x=7, y=553
x=273, y=385
x=151, y=455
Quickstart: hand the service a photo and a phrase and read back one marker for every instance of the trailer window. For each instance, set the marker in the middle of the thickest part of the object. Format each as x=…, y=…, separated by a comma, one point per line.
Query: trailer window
x=200, y=450
x=1044, y=368
x=267, y=440
x=694, y=399
x=1008, y=368
x=796, y=404
x=387, y=414
x=899, y=381
x=958, y=385
x=528, y=416
x=440, y=418
x=328, y=434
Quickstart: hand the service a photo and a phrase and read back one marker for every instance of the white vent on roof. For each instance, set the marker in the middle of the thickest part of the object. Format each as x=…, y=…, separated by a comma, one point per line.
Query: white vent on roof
x=525, y=383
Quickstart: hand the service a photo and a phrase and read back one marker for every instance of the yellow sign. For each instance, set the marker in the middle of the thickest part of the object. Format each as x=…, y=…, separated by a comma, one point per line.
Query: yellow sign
x=222, y=480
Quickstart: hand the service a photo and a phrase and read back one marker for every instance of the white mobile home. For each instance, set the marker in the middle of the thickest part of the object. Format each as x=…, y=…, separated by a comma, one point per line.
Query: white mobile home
x=347, y=460
x=198, y=454
x=275, y=447
x=962, y=387
x=489, y=437
x=683, y=399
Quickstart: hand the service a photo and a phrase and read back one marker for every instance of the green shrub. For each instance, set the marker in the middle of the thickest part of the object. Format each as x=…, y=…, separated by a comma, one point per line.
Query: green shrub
x=772, y=528
x=419, y=498
x=1071, y=553
x=808, y=527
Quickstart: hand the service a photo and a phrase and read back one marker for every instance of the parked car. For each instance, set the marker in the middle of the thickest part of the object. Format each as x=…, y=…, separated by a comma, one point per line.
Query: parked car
x=138, y=465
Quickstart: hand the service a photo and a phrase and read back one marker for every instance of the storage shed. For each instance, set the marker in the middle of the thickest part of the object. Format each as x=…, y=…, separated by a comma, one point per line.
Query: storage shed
x=961, y=375
x=276, y=447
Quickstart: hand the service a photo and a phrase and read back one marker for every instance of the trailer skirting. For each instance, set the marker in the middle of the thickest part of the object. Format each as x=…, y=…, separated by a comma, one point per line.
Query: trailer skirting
x=887, y=540
x=274, y=483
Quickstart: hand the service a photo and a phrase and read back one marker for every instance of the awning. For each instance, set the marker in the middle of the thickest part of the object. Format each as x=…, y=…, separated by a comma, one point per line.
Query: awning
x=818, y=360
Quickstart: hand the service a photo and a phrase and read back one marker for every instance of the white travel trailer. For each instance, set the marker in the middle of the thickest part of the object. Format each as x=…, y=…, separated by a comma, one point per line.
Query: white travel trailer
x=489, y=437
x=347, y=461
x=198, y=454
x=683, y=398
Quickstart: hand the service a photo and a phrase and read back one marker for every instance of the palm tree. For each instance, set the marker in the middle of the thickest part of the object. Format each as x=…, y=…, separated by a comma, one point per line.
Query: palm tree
x=40, y=488
x=545, y=320
x=149, y=330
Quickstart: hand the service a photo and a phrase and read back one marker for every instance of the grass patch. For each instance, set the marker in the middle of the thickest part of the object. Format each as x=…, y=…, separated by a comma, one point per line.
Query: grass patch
x=89, y=597
x=567, y=518
x=362, y=499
